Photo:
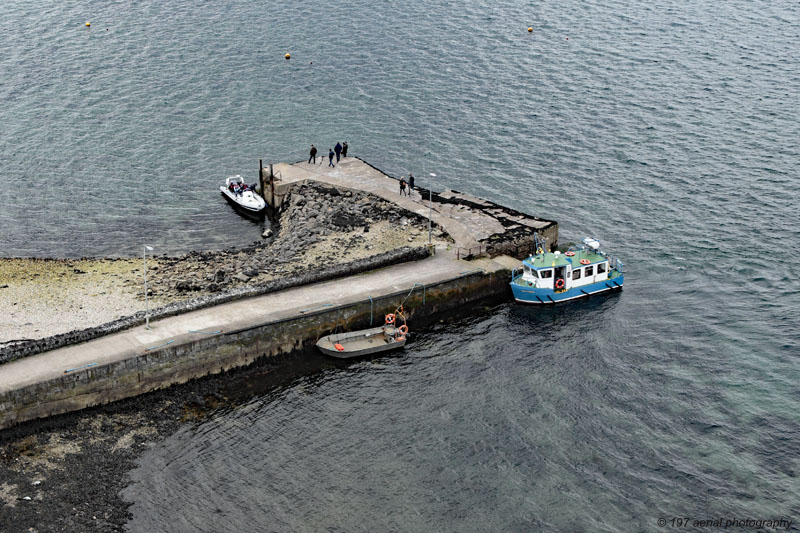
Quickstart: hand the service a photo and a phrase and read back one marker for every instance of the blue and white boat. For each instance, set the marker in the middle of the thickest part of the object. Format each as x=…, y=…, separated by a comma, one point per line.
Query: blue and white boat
x=552, y=277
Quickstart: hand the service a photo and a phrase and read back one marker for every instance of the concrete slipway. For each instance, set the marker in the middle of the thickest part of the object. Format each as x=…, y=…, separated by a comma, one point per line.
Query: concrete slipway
x=179, y=348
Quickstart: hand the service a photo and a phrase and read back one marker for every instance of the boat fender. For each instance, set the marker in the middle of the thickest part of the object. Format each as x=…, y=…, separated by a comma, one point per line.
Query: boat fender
x=403, y=329
x=560, y=283
x=585, y=261
x=339, y=347
x=569, y=254
x=390, y=318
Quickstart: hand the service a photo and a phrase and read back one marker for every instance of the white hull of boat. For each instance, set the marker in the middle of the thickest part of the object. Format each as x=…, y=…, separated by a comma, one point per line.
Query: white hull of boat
x=248, y=201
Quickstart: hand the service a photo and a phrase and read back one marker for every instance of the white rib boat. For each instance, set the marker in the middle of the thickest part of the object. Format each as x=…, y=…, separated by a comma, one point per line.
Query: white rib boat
x=242, y=197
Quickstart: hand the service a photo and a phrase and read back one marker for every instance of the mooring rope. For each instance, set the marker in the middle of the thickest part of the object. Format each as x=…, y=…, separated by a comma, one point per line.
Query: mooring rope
x=317, y=307
x=79, y=367
x=412, y=290
x=159, y=346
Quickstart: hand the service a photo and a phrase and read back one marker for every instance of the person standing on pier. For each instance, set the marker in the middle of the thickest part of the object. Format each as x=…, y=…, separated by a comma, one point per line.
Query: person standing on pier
x=330, y=159
x=312, y=155
x=344, y=149
x=338, y=149
x=403, y=187
x=410, y=183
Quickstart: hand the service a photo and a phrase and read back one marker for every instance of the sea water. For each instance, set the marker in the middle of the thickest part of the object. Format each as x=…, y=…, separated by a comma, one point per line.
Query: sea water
x=667, y=130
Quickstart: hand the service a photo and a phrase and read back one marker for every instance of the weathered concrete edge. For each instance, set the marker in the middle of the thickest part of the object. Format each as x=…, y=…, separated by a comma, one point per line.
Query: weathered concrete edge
x=358, y=266
x=517, y=243
x=199, y=357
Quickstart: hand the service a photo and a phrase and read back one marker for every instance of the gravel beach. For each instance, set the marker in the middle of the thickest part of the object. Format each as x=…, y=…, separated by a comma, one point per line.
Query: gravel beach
x=318, y=225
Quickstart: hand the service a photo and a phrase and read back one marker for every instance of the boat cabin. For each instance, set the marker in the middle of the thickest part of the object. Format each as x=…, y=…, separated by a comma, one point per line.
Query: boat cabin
x=557, y=271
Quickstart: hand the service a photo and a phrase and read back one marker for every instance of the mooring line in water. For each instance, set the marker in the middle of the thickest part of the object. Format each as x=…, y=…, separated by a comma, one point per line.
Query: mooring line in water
x=206, y=332
x=79, y=367
x=317, y=307
x=159, y=346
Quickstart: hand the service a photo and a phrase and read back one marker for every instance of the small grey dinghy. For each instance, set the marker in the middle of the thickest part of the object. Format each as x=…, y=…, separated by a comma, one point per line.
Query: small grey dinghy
x=366, y=341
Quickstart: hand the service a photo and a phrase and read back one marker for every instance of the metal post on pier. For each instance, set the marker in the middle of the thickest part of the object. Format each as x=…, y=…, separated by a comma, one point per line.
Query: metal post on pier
x=430, y=207
x=272, y=185
x=261, y=177
x=146, y=294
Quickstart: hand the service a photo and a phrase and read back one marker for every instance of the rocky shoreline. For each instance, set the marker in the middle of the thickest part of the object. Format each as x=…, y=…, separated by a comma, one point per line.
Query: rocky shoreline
x=323, y=233
x=66, y=473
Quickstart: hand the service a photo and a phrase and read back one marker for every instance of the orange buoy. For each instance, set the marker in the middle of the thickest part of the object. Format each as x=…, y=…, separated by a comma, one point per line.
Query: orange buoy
x=288, y=56
x=530, y=30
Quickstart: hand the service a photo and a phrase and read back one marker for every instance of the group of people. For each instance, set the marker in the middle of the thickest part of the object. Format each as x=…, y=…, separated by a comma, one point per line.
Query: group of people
x=409, y=184
x=238, y=188
x=340, y=151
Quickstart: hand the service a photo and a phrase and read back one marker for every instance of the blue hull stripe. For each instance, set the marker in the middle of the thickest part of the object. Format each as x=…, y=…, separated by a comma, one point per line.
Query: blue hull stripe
x=538, y=296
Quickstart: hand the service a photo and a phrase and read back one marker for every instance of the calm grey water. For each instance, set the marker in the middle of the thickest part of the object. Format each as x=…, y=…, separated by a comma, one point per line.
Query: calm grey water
x=669, y=130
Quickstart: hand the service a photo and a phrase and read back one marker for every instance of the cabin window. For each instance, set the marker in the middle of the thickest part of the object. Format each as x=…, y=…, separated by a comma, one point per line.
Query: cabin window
x=546, y=273
x=535, y=273
x=601, y=268
x=589, y=271
x=576, y=274
x=527, y=270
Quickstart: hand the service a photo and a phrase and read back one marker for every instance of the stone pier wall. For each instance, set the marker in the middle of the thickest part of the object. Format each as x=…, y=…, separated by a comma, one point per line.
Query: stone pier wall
x=178, y=364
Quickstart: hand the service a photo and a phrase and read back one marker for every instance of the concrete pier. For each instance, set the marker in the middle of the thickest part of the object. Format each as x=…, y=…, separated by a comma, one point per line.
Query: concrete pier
x=469, y=220
x=179, y=348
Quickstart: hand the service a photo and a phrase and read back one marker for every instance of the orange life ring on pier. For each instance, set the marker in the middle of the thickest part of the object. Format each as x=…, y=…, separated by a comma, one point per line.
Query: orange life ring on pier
x=560, y=283
x=585, y=261
x=390, y=318
x=569, y=254
x=403, y=329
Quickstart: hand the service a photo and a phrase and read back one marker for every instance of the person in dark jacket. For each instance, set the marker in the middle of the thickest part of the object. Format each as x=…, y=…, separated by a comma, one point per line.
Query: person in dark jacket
x=312, y=155
x=403, y=187
x=410, y=183
x=344, y=149
x=338, y=149
x=330, y=159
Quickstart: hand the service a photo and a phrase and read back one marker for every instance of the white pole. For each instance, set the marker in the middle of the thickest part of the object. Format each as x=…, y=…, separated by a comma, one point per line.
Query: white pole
x=430, y=206
x=146, y=296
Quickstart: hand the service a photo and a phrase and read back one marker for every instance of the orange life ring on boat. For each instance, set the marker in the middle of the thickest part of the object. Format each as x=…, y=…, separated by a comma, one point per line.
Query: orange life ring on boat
x=560, y=283
x=585, y=261
x=403, y=329
x=390, y=318
x=569, y=254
